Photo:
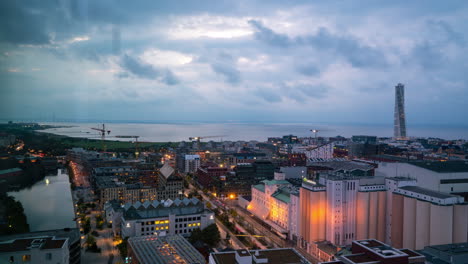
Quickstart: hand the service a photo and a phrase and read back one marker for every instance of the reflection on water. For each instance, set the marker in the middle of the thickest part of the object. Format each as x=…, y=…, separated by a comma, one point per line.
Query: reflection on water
x=48, y=203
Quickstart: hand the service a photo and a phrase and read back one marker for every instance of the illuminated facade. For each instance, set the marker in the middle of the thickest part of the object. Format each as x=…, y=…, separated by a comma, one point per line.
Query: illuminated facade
x=276, y=202
x=341, y=209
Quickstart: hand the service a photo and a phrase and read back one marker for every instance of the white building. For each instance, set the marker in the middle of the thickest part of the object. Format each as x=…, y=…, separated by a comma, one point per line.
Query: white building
x=192, y=163
x=158, y=217
x=447, y=177
x=35, y=250
x=276, y=202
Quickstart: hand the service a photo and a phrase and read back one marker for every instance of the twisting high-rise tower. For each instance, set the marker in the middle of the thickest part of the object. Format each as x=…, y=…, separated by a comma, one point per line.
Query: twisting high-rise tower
x=400, y=119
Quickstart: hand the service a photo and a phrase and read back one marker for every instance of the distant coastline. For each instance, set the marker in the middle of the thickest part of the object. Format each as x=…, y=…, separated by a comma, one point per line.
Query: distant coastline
x=177, y=132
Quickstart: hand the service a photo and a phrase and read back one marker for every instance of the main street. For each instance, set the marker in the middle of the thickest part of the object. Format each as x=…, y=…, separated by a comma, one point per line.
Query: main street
x=256, y=224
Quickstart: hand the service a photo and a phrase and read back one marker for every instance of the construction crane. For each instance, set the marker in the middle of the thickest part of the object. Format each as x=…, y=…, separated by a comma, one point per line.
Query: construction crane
x=197, y=139
x=102, y=132
x=136, y=143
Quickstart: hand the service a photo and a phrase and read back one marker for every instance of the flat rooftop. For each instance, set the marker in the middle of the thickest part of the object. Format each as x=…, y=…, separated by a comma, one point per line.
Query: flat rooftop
x=164, y=249
x=427, y=192
x=344, y=165
x=442, y=166
x=451, y=249
x=25, y=244
x=273, y=256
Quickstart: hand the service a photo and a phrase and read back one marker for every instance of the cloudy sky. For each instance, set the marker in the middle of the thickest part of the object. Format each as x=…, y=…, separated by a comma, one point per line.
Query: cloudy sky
x=237, y=61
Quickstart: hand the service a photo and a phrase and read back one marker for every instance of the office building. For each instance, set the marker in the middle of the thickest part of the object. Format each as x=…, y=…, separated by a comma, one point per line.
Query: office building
x=191, y=163
x=208, y=175
x=400, y=118
x=245, y=157
x=364, y=139
x=324, y=151
x=171, y=183
x=376, y=252
x=165, y=217
x=239, y=181
x=161, y=250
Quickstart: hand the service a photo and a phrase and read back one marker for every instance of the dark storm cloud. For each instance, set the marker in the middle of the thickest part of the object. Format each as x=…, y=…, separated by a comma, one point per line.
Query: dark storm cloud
x=314, y=91
x=267, y=35
x=446, y=30
x=427, y=55
x=141, y=69
x=300, y=93
x=41, y=22
x=20, y=25
x=224, y=65
x=268, y=95
x=430, y=53
x=308, y=69
x=348, y=47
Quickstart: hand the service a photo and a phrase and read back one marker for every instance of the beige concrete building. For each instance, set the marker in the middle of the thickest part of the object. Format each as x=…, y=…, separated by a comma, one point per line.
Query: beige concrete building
x=421, y=217
x=341, y=209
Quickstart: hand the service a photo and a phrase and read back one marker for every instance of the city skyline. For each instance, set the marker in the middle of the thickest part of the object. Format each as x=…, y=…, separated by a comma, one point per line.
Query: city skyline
x=242, y=61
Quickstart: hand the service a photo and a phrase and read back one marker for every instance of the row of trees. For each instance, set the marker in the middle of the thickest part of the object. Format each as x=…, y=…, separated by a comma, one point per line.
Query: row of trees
x=210, y=235
x=12, y=217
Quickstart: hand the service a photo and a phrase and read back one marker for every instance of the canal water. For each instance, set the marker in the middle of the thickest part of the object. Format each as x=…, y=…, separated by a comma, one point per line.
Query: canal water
x=48, y=203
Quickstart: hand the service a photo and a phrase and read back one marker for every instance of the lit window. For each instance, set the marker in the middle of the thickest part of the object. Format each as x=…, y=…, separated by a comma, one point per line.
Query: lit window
x=128, y=225
x=26, y=258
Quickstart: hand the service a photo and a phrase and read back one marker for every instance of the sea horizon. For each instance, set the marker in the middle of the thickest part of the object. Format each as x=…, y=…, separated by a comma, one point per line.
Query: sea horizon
x=246, y=131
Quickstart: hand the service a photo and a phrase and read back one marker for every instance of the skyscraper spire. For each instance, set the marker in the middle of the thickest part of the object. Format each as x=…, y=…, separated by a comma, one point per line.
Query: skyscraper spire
x=400, y=118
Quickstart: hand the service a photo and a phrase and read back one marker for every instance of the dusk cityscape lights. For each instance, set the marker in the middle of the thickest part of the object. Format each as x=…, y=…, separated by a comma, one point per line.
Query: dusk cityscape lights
x=233, y=132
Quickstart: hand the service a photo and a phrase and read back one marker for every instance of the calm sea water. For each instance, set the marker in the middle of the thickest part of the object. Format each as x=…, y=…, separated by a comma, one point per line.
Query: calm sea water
x=242, y=131
x=48, y=204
